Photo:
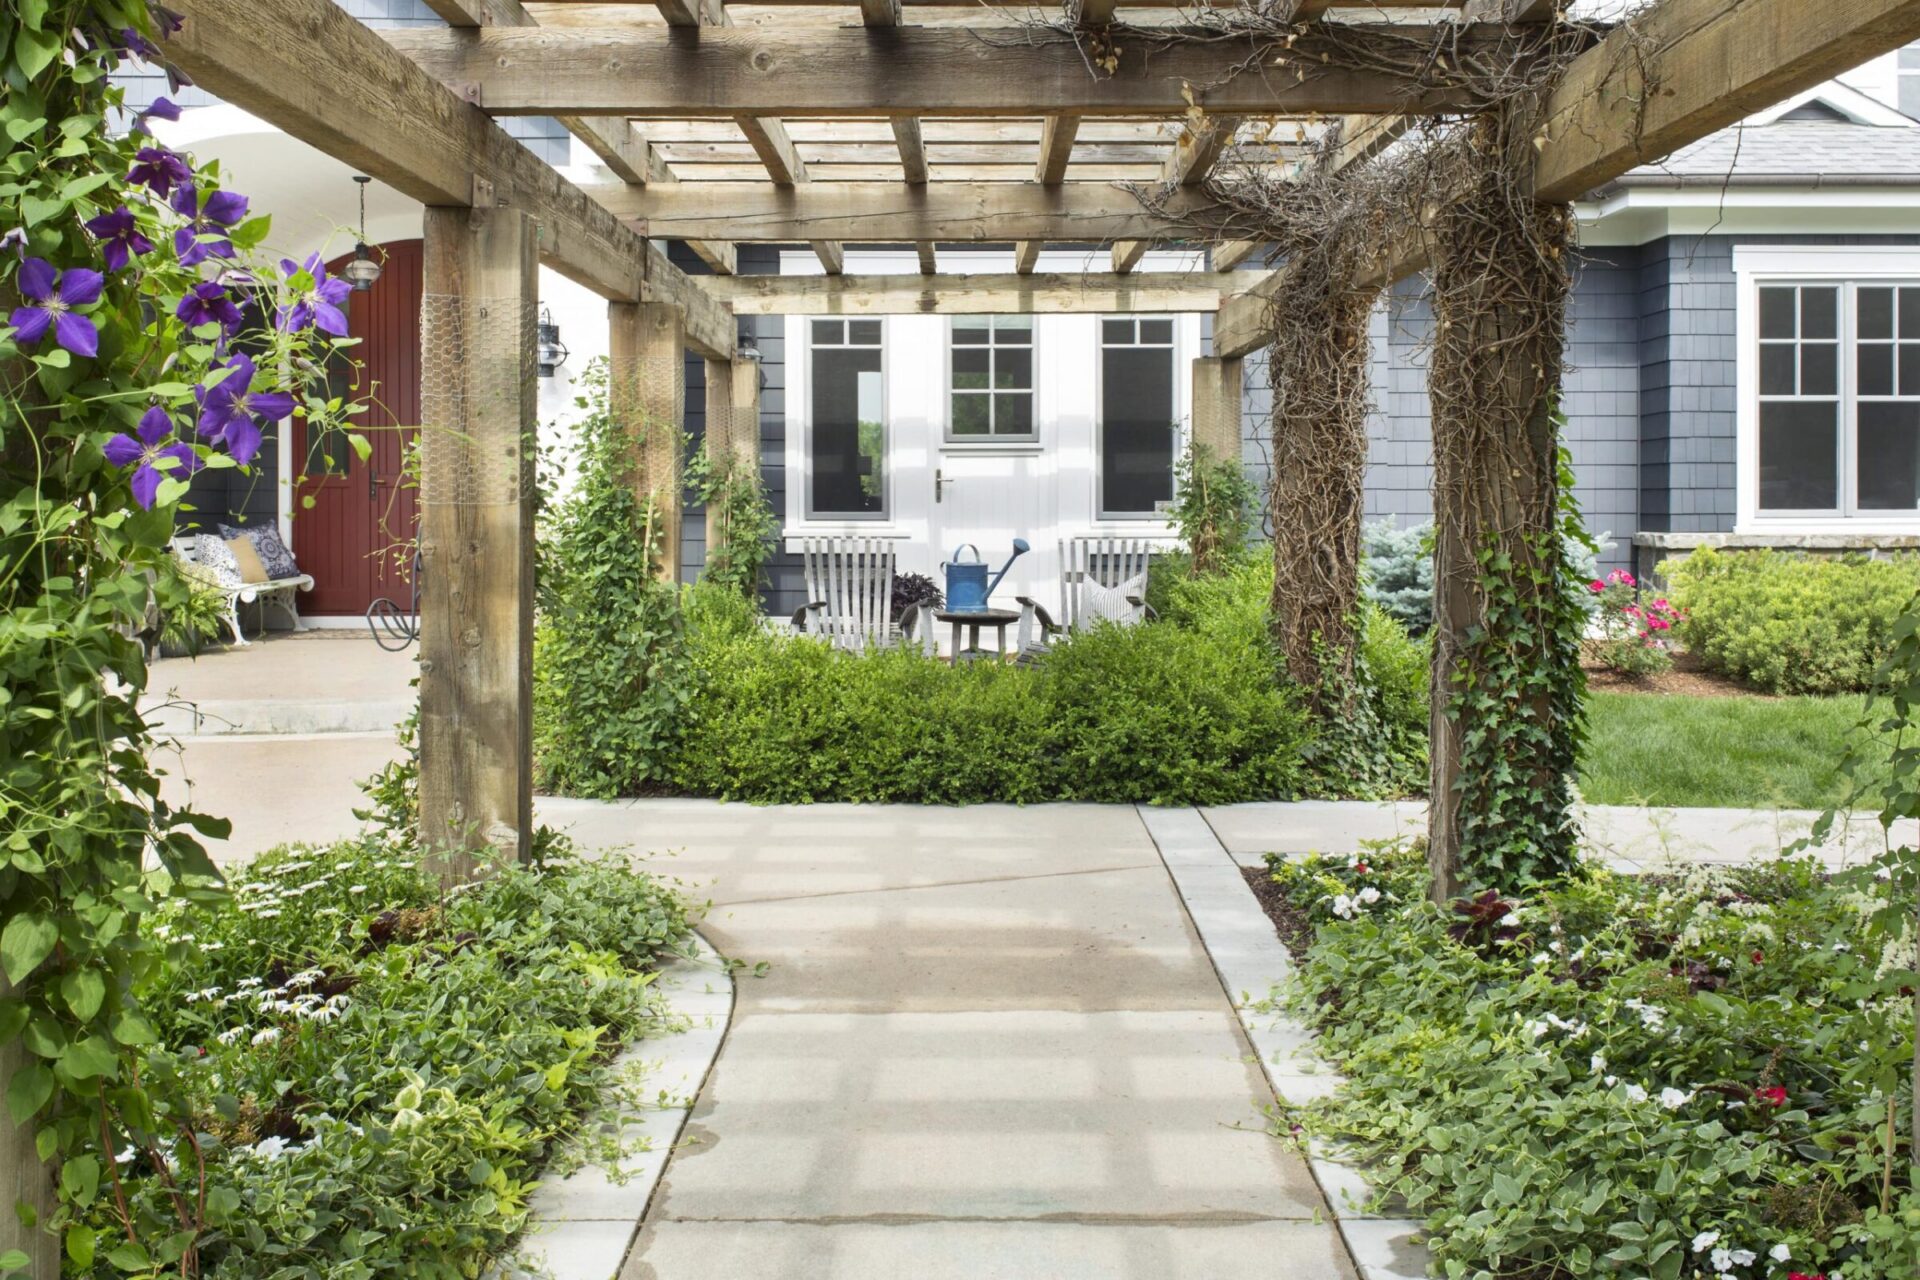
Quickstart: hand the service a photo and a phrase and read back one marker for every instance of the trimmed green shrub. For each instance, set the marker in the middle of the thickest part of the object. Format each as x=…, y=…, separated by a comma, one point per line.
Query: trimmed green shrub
x=1166, y=713
x=1791, y=623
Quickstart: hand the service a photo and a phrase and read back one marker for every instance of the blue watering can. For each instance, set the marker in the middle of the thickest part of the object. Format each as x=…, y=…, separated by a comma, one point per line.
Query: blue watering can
x=967, y=583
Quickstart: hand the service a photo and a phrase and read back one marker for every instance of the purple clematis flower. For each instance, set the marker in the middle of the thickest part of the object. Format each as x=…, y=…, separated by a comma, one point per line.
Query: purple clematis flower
x=51, y=297
x=154, y=454
x=138, y=45
x=159, y=170
x=159, y=109
x=165, y=20
x=318, y=304
x=15, y=240
x=119, y=237
x=204, y=236
x=208, y=303
x=232, y=411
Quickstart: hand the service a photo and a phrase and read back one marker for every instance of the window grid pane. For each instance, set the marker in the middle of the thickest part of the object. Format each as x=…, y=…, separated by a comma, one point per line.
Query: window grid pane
x=1800, y=398
x=1137, y=429
x=1886, y=427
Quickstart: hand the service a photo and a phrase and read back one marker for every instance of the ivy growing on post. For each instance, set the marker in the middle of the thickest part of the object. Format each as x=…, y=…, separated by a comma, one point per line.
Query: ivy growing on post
x=742, y=520
x=127, y=364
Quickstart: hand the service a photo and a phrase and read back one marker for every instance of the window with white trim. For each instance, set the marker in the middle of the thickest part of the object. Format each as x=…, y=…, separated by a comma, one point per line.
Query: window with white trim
x=1138, y=431
x=847, y=432
x=1838, y=398
x=990, y=378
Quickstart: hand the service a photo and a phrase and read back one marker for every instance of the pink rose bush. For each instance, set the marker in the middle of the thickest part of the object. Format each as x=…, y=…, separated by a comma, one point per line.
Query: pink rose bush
x=1636, y=636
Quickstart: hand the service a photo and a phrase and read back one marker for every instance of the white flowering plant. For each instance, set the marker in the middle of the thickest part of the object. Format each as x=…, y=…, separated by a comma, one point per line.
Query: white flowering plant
x=1683, y=1075
x=371, y=1074
x=1381, y=874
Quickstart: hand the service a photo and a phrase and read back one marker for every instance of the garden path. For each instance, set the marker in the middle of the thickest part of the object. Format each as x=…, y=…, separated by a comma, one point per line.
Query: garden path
x=987, y=1043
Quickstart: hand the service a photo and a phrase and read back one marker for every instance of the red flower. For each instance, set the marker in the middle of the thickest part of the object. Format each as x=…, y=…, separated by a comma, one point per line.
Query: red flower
x=1361, y=867
x=1806, y=1275
x=1759, y=957
x=1774, y=1097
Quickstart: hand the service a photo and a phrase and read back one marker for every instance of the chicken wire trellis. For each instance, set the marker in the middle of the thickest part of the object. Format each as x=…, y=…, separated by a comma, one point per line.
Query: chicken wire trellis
x=473, y=452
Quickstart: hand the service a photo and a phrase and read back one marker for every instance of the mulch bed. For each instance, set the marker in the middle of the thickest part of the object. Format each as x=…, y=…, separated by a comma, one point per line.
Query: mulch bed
x=1291, y=923
x=1688, y=677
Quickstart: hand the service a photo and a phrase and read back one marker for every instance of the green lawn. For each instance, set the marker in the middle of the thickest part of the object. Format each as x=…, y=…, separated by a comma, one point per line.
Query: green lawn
x=1746, y=752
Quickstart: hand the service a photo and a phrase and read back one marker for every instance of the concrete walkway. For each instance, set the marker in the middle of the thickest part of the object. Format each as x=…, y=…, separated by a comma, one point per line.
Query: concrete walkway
x=987, y=1043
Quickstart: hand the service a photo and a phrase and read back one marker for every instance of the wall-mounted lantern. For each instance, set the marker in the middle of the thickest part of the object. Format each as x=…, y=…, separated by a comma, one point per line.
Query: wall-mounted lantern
x=549, y=352
x=363, y=270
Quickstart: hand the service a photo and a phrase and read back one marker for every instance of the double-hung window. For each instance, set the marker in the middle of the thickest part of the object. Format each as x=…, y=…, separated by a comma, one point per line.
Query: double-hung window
x=1138, y=431
x=1837, y=399
x=990, y=379
x=847, y=437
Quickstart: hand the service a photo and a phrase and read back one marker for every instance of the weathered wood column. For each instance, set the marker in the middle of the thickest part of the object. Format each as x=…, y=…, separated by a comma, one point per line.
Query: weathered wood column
x=1506, y=676
x=477, y=411
x=24, y=1180
x=647, y=391
x=1217, y=384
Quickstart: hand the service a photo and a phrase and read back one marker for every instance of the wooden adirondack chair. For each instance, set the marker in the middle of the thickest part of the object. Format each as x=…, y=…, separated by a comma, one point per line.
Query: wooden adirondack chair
x=849, y=591
x=1100, y=579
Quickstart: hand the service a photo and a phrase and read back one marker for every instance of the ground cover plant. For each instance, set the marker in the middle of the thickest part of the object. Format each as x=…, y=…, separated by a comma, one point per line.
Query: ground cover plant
x=1791, y=623
x=1703, y=1073
x=363, y=1076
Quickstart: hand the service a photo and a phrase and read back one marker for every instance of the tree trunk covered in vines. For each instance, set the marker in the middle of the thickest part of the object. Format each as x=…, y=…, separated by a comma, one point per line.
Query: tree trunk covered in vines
x=1506, y=675
x=1318, y=368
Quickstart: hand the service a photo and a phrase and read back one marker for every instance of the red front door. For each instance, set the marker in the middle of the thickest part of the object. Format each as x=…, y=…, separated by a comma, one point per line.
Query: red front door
x=354, y=518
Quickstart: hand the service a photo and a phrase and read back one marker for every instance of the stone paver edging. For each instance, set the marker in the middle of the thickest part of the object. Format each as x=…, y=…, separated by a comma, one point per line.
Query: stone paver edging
x=580, y=1226
x=1250, y=960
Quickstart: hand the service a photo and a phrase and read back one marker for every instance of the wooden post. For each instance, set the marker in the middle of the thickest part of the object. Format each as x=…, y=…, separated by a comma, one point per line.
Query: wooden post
x=648, y=392
x=1217, y=384
x=24, y=1179
x=1506, y=676
x=476, y=536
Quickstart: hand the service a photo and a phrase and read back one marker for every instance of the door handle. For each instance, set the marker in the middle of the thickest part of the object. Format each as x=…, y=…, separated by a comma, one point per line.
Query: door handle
x=372, y=491
x=939, y=484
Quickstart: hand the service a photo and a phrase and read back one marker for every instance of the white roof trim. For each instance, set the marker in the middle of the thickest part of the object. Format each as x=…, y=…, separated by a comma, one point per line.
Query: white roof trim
x=1856, y=106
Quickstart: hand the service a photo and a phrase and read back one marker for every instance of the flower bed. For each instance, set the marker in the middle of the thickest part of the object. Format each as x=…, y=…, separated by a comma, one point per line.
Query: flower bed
x=363, y=1077
x=1665, y=1077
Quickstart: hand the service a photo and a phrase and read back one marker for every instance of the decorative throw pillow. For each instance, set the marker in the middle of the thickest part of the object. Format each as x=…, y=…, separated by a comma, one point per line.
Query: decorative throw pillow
x=210, y=553
x=251, y=570
x=1111, y=603
x=266, y=541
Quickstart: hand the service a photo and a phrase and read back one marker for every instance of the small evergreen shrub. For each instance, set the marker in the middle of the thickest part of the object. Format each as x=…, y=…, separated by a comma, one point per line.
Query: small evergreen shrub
x=1213, y=507
x=1397, y=572
x=1790, y=623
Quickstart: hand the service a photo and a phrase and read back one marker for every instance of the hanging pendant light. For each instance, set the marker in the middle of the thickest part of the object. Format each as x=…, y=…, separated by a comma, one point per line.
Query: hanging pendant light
x=363, y=270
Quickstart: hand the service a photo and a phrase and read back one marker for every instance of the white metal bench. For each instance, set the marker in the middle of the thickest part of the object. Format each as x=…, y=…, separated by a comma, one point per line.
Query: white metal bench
x=278, y=592
x=1101, y=579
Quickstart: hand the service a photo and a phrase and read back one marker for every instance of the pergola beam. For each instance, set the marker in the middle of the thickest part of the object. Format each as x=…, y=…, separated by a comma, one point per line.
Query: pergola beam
x=884, y=72
x=343, y=90
x=1687, y=69
x=893, y=212
x=1195, y=152
x=1063, y=293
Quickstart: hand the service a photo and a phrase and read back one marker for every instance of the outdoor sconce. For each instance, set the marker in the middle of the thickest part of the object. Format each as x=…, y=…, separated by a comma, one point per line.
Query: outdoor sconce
x=549, y=352
x=746, y=346
x=363, y=270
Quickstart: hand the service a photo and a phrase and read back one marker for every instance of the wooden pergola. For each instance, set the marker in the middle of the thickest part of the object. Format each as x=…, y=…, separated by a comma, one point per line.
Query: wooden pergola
x=924, y=122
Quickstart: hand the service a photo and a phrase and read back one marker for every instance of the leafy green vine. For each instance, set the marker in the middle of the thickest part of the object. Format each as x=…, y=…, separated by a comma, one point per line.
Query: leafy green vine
x=1517, y=692
x=742, y=523
x=1213, y=507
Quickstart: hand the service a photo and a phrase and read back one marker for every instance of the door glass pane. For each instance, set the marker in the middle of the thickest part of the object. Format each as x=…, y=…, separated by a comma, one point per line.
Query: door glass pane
x=1013, y=414
x=1910, y=313
x=864, y=332
x=1889, y=457
x=1156, y=331
x=849, y=438
x=970, y=415
x=1116, y=331
x=1137, y=429
x=970, y=365
x=970, y=331
x=1910, y=368
x=1797, y=468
